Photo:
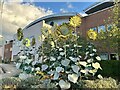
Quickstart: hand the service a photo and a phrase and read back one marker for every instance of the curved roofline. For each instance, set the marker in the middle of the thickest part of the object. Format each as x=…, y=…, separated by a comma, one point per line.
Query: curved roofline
x=51, y=16
x=96, y=4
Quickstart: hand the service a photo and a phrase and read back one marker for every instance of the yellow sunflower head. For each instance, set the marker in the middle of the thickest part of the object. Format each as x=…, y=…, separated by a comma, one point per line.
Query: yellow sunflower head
x=26, y=42
x=92, y=34
x=75, y=21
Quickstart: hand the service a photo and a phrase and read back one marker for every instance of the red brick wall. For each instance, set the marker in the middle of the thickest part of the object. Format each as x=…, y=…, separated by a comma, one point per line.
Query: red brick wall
x=8, y=51
x=94, y=20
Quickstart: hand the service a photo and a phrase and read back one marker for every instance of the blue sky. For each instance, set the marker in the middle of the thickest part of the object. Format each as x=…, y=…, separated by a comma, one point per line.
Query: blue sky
x=18, y=14
x=58, y=7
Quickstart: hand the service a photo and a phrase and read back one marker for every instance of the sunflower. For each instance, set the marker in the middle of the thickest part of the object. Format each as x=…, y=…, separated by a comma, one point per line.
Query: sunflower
x=75, y=21
x=26, y=42
x=19, y=34
x=92, y=34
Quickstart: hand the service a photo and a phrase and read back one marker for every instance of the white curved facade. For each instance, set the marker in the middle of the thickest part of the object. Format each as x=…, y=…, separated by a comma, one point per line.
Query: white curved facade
x=33, y=29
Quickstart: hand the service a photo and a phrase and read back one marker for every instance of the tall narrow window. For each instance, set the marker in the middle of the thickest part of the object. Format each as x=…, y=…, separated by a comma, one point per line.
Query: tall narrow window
x=109, y=27
x=104, y=56
x=101, y=28
x=94, y=28
x=114, y=56
x=52, y=23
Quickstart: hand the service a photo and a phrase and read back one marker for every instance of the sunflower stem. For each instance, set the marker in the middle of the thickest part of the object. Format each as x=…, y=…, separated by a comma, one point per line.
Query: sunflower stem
x=76, y=41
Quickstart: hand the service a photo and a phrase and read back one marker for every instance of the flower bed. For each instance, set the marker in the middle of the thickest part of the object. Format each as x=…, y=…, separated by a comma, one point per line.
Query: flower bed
x=63, y=58
x=36, y=83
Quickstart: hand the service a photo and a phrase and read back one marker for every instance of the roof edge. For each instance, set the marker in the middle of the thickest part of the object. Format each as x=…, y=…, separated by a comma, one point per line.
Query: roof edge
x=50, y=16
x=96, y=4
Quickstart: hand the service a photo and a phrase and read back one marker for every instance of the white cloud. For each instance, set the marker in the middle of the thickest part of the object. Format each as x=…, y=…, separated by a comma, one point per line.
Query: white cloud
x=69, y=5
x=62, y=10
x=17, y=15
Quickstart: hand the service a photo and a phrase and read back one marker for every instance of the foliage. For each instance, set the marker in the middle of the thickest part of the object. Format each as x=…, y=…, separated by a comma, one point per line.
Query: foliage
x=33, y=42
x=63, y=58
x=100, y=83
x=9, y=83
x=19, y=34
x=110, y=69
x=116, y=13
x=110, y=39
x=36, y=83
x=26, y=42
x=116, y=18
x=29, y=82
x=119, y=85
x=15, y=83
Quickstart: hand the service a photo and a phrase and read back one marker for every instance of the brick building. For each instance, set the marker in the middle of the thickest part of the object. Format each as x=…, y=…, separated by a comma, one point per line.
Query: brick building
x=8, y=51
x=97, y=19
x=100, y=18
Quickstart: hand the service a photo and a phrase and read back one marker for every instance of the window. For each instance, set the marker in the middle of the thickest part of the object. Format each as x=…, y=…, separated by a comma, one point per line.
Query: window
x=52, y=23
x=94, y=28
x=104, y=56
x=102, y=27
x=109, y=27
x=114, y=56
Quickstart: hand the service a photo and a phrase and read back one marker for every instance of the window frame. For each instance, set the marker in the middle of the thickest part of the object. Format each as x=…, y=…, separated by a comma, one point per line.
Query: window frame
x=102, y=28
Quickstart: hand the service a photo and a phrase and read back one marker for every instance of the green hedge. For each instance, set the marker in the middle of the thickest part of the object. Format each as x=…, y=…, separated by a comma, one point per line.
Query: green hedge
x=105, y=83
x=111, y=68
x=34, y=83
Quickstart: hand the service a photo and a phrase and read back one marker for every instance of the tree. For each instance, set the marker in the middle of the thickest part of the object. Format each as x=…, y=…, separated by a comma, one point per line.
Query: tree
x=110, y=39
x=116, y=18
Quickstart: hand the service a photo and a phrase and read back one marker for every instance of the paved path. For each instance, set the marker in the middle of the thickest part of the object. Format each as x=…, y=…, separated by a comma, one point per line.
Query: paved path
x=10, y=70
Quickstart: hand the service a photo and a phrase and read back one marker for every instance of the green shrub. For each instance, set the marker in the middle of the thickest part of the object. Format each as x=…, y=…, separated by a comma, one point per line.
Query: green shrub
x=100, y=83
x=29, y=82
x=10, y=83
x=111, y=68
x=43, y=86
x=63, y=57
x=119, y=86
x=35, y=83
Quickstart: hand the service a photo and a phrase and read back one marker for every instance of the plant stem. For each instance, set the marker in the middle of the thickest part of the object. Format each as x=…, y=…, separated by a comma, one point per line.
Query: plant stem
x=76, y=41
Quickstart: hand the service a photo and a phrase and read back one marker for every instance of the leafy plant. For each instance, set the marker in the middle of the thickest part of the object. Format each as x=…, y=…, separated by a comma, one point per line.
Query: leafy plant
x=29, y=82
x=110, y=69
x=19, y=34
x=9, y=83
x=63, y=58
x=100, y=83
